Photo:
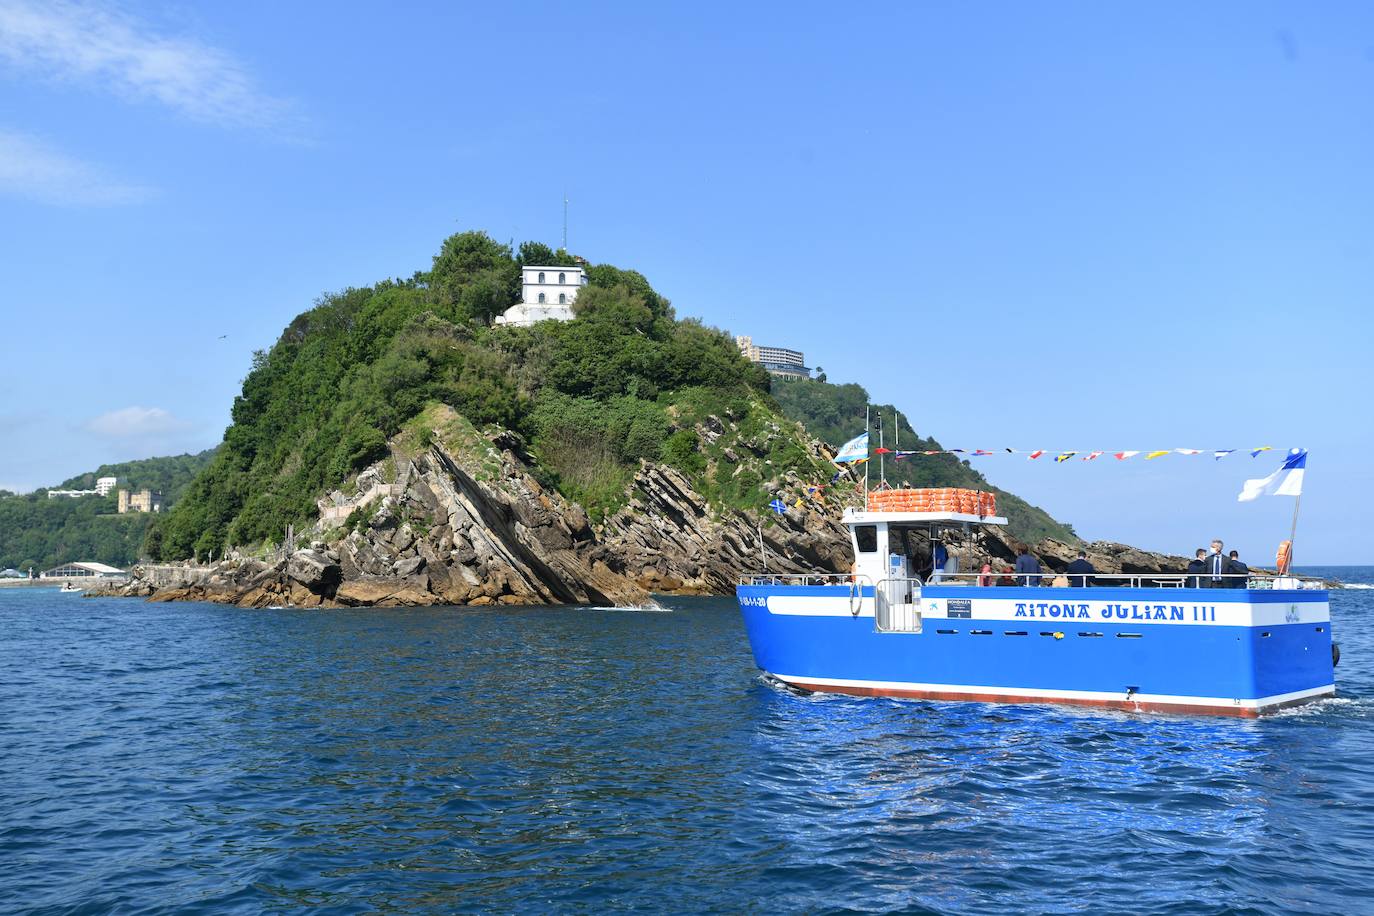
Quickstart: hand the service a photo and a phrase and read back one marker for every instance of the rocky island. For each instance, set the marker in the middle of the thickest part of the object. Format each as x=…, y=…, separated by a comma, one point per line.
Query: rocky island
x=430, y=455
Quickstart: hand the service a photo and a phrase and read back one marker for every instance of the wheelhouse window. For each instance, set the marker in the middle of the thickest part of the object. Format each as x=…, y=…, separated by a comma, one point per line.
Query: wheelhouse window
x=866, y=536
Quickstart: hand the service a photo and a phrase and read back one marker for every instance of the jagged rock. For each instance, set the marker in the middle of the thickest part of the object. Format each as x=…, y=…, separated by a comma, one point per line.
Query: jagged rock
x=314, y=570
x=365, y=590
x=502, y=537
x=408, y=567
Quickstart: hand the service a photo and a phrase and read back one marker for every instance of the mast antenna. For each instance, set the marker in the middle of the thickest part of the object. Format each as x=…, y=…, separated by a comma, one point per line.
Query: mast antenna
x=565, y=219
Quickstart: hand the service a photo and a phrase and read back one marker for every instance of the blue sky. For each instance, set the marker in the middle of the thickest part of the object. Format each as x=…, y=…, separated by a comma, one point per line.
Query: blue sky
x=1059, y=226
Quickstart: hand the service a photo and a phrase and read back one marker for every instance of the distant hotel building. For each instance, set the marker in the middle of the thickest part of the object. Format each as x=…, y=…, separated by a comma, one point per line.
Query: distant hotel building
x=546, y=294
x=142, y=501
x=777, y=360
x=103, y=486
x=72, y=494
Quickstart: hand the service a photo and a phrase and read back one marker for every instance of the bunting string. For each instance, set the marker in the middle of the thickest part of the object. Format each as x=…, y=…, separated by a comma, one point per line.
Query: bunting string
x=851, y=454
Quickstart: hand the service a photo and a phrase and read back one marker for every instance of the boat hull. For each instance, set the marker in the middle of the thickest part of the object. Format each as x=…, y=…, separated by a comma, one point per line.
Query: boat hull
x=1235, y=652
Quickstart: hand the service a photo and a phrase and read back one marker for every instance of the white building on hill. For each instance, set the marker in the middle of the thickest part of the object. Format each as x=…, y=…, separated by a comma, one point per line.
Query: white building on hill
x=777, y=360
x=104, y=485
x=546, y=294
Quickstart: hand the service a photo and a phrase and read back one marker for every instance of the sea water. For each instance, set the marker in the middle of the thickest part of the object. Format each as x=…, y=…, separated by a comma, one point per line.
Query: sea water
x=194, y=758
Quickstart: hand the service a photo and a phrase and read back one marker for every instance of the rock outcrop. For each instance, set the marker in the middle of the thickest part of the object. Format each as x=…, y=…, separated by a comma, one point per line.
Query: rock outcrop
x=475, y=527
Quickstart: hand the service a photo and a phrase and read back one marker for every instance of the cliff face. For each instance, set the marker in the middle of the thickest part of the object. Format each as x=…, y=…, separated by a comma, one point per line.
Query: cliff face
x=476, y=528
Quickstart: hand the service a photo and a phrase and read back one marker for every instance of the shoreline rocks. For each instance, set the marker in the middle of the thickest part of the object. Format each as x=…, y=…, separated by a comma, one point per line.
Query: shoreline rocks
x=481, y=530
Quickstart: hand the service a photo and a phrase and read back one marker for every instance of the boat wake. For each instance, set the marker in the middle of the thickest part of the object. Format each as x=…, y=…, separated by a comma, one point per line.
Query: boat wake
x=1357, y=585
x=653, y=607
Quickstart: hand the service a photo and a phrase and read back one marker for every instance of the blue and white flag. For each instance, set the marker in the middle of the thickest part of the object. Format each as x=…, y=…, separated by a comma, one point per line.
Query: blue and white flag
x=855, y=449
x=1286, y=481
x=778, y=506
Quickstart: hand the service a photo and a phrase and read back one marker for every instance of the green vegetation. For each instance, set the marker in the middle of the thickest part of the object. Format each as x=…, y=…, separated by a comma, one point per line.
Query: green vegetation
x=835, y=414
x=42, y=533
x=592, y=396
x=406, y=363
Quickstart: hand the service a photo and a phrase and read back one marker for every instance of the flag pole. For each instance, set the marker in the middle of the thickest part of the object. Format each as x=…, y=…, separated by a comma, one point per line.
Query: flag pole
x=866, y=462
x=1293, y=532
x=882, y=467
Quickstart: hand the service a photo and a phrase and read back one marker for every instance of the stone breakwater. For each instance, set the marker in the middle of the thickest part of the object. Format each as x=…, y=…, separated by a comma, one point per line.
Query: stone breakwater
x=476, y=528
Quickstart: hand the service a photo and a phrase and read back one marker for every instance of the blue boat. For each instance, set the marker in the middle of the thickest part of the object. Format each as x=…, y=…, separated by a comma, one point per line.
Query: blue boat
x=1145, y=642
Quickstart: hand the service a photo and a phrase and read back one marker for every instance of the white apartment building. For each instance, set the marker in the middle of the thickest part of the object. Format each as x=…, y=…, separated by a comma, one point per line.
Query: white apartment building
x=777, y=360
x=546, y=294
x=104, y=485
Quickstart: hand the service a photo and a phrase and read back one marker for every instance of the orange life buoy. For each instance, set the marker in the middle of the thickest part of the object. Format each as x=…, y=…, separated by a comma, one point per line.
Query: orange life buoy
x=1285, y=557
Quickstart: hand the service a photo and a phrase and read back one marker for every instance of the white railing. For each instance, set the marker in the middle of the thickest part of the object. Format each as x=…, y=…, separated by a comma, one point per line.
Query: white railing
x=1130, y=580
x=855, y=582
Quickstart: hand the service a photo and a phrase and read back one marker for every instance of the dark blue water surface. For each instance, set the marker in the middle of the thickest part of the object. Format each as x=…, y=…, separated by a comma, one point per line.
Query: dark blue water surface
x=195, y=758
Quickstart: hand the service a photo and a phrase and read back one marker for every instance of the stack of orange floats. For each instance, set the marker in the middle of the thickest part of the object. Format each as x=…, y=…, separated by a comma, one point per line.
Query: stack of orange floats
x=941, y=499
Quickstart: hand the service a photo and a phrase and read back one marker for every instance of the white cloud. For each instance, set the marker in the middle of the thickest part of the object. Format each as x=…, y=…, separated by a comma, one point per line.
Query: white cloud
x=80, y=41
x=143, y=423
x=31, y=168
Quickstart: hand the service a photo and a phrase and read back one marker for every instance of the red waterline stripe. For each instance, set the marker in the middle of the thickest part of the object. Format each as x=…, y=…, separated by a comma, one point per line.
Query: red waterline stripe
x=1241, y=712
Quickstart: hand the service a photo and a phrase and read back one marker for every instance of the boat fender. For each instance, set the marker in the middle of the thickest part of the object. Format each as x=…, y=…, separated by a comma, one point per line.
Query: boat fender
x=1058, y=635
x=1335, y=654
x=1284, y=558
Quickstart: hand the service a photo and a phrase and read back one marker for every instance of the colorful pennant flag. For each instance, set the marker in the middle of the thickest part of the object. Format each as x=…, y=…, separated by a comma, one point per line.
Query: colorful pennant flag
x=1254, y=453
x=981, y=451
x=1222, y=453
x=1157, y=454
x=1189, y=451
x=778, y=506
x=1092, y=456
x=1035, y=454
x=1060, y=459
x=1122, y=456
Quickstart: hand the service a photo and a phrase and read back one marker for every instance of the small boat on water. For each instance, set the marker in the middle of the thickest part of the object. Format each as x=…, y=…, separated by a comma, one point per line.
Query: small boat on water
x=70, y=587
x=1148, y=642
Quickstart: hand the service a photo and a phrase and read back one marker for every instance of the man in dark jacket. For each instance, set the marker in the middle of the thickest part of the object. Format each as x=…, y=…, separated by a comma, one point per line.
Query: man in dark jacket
x=1218, y=567
x=1025, y=563
x=1240, y=570
x=1080, y=565
x=1196, y=569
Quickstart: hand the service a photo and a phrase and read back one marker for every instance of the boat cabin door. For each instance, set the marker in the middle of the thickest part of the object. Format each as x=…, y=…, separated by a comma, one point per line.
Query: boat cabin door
x=898, y=598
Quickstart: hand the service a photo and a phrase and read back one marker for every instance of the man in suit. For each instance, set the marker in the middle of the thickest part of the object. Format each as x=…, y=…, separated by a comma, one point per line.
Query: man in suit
x=1080, y=566
x=1196, y=569
x=1239, y=569
x=1218, y=566
x=1025, y=563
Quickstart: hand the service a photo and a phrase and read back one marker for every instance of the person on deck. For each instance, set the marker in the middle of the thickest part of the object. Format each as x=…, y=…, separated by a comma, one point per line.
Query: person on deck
x=1218, y=567
x=1240, y=570
x=1080, y=566
x=986, y=578
x=1025, y=563
x=938, y=558
x=1195, y=569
